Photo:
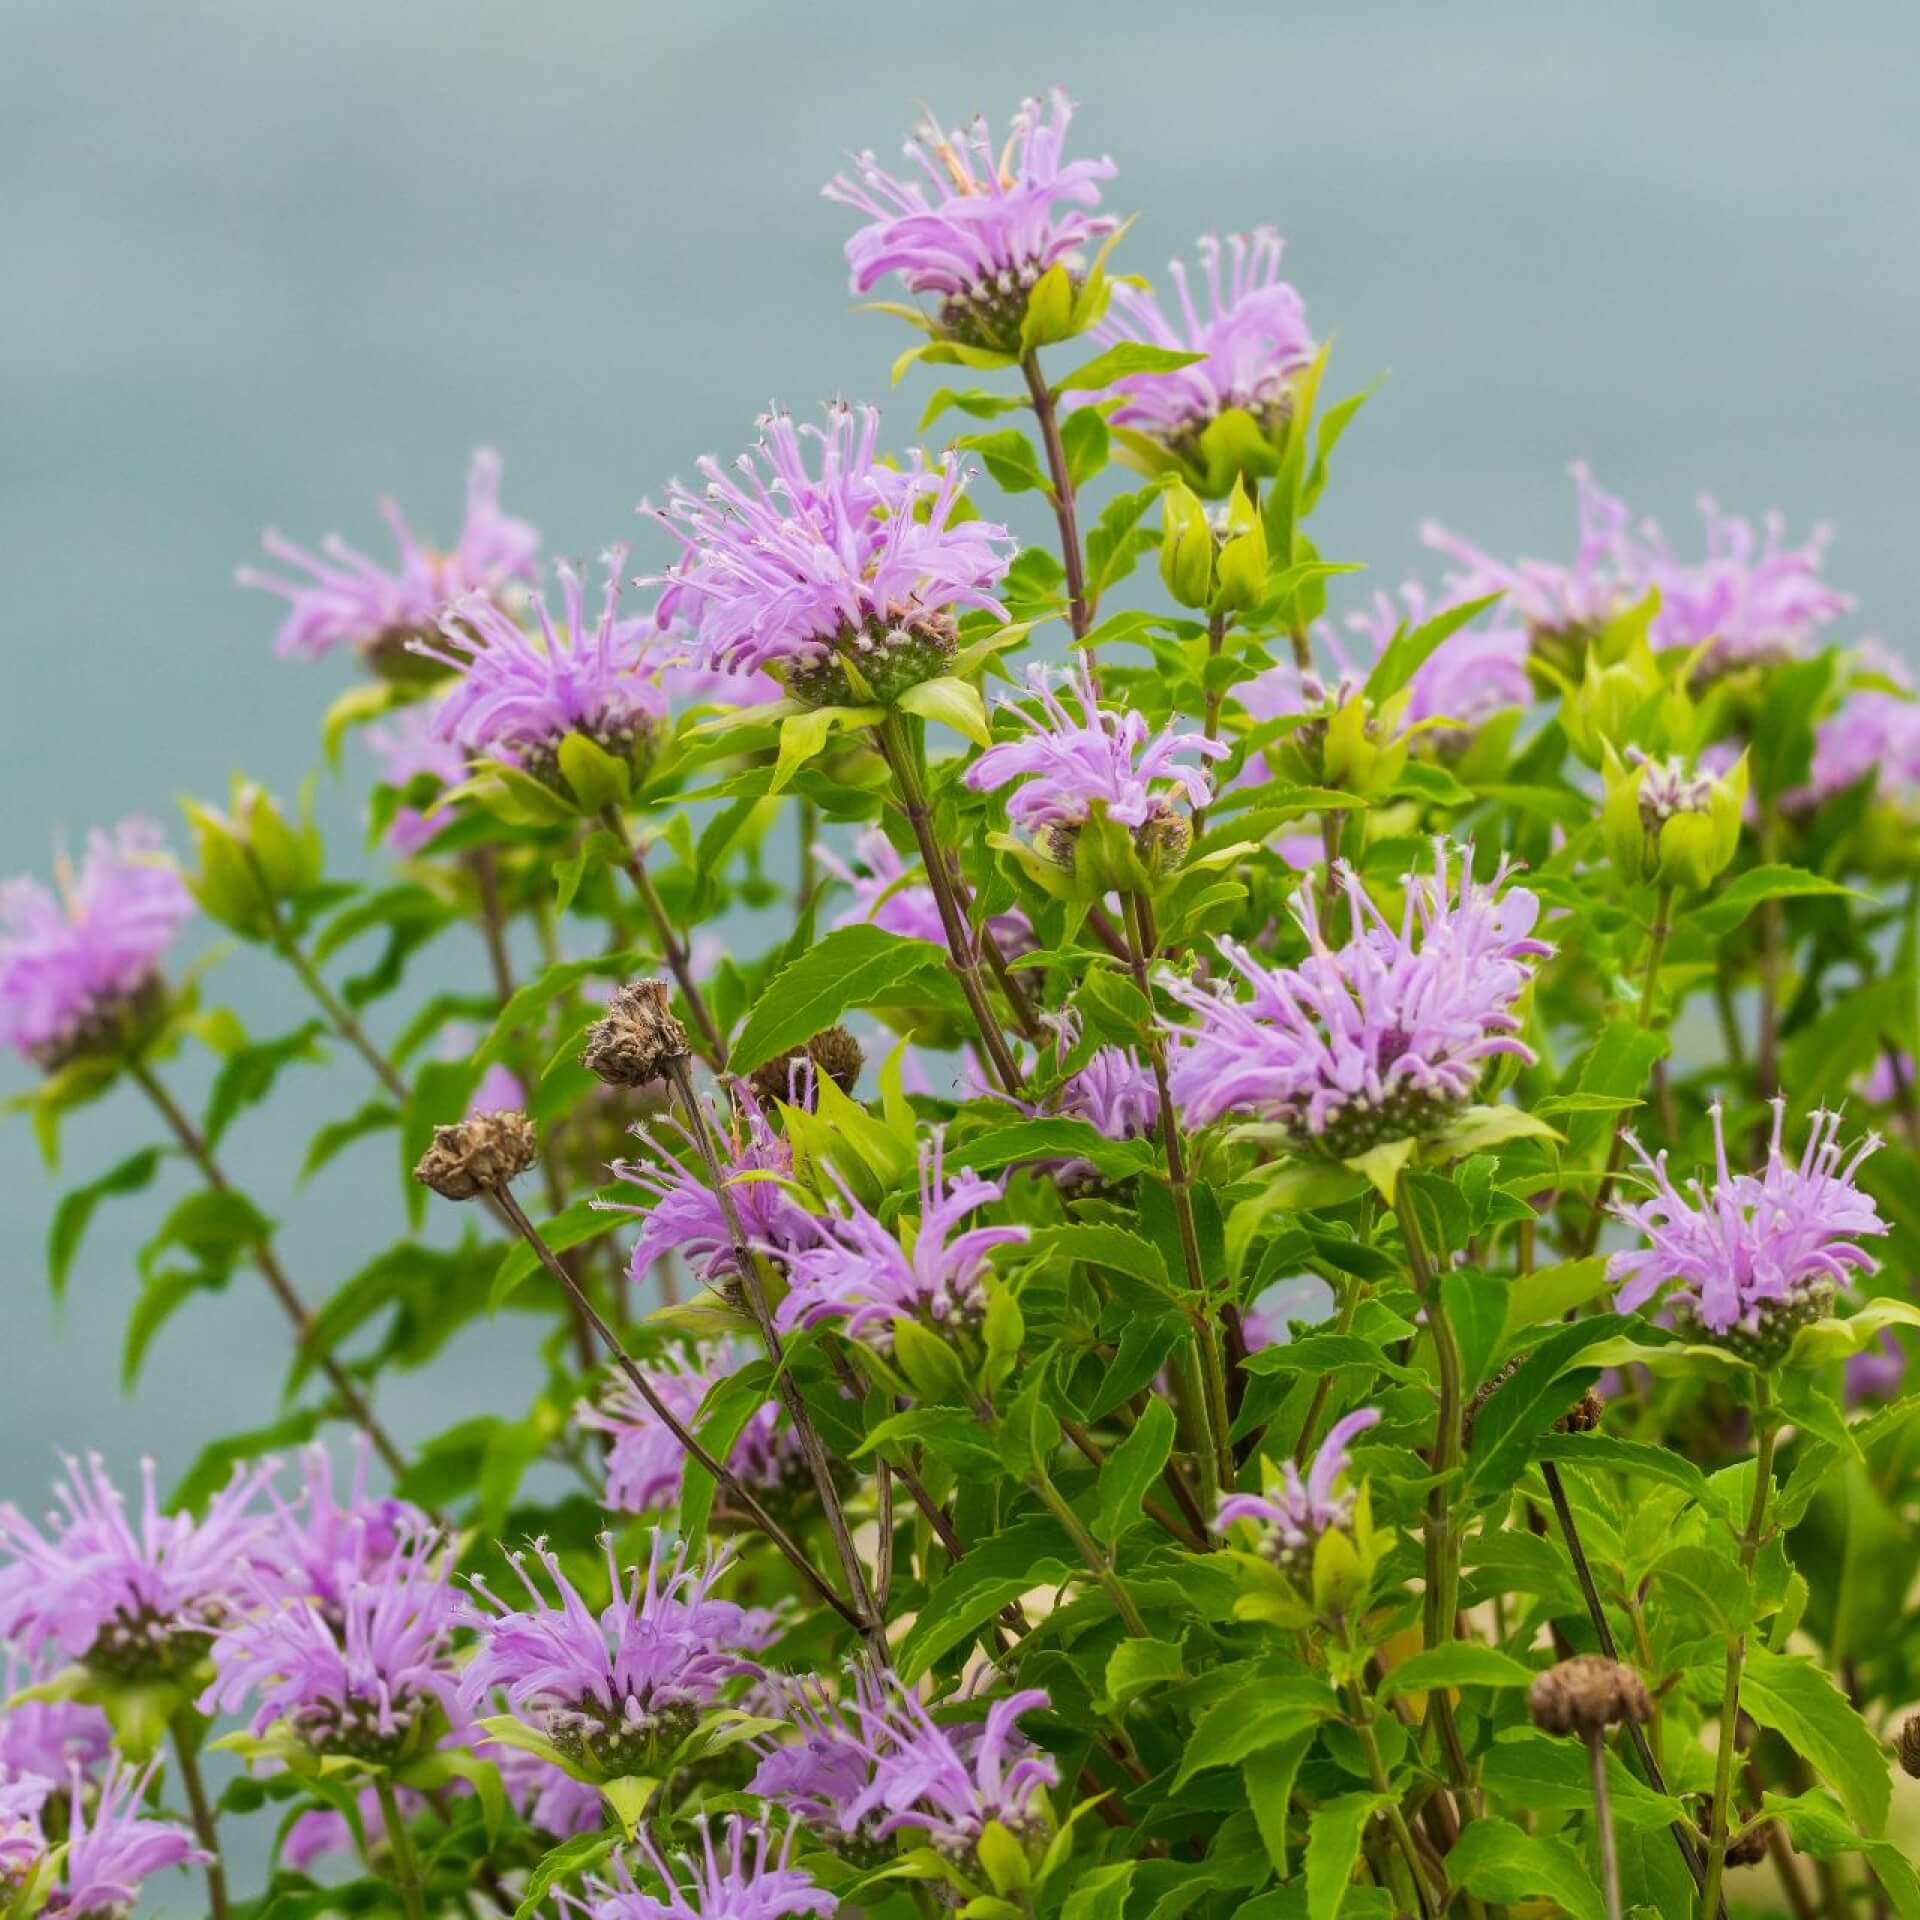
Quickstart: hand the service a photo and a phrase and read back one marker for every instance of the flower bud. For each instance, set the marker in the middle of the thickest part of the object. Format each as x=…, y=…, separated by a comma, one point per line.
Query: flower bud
x=1613, y=703
x=477, y=1155
x=638, y=1039
x=1668, y=827
x=1186, y=546
x=1586, y=1695
x=1240, y=565
x=249, y=860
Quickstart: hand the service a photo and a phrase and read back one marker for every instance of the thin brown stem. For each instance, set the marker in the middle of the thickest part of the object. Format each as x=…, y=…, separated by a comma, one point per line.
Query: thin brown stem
x=673, y=950
x=1603, y=1822
x=267, y=1262
x=1065, y=509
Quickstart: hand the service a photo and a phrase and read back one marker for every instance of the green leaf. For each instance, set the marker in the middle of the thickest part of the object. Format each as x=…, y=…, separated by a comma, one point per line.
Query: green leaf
x=1333, y=1847
x=1721, y=915
x=337, y=1135
x=1131, y=1468
x=1279, y=1709
x=1124, y=358
x=981, y=403
x=598, y=780
x=1498, y=1861
x=1793, y=1696
x=1033, y=1553
x=246, y=1077
x=848, y=968
x=1010, y=458
x=542, y=991
x=1137, y=1666
x=572, y=1227
x=1270, y=1775
x=1602, y=1452
x=1100, y=1893
x=1818, y=1828
x=717, y=1425
x=75, y=1212
x=1534, y=1397
x=1551, y=1293
x=954, y=703
x=1053, y=1139
x=161, y=1296
x=1410, y=648
x=214, y=1225
x=1460, y=1663
x=1117, y=1248
x=213, y=1465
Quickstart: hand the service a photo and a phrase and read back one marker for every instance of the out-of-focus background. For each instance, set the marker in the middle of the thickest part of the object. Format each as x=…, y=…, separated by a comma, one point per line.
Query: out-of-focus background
x=264, y=263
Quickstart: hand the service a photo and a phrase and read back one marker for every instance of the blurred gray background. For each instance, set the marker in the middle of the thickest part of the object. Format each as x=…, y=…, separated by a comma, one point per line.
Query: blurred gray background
x=267, y=262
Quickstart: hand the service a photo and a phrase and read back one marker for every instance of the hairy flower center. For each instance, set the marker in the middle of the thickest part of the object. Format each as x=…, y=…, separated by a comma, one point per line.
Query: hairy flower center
x=628, y=738
x=361, y=1729
x=138, y=1644
x=630, y=1737
x=1765, y=1332
x=988, y=313
x=891, y=652
x=106, y=1025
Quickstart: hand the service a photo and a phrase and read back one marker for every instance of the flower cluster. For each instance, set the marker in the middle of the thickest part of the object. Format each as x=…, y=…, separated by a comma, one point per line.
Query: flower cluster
x=861, y=567
x=718, y=1884
x=983, y=228
x=1382, y=1039
x=111, y=1846
x=75, y=969
x=858, y=1271
x=1291, y=1516
x=1755, y=1257
x=348, y=600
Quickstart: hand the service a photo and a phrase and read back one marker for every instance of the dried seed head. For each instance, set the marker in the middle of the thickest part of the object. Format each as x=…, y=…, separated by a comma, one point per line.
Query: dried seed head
x=1583, y=1416
x=638, y=1038
x=833, y=1051
x=477, y=1155
x=1586, y=1695
x=1907, y=1744
x=1745, y=1848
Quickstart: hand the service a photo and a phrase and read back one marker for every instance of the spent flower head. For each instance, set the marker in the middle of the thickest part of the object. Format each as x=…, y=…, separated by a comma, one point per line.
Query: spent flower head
x=978, y=229
x=859, y=569
x=1385, y=1038
x=1754, y=1256
x=77, y=969
x=349, y=600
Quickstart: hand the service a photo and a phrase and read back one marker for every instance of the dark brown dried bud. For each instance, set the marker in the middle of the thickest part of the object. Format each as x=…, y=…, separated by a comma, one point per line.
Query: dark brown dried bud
x=1907, y=1745
x=1586, y=1695
x=477, y=1155
x=1583, y=1416
x=833, y=1051
x=1747, y=1847
x=638, y=1038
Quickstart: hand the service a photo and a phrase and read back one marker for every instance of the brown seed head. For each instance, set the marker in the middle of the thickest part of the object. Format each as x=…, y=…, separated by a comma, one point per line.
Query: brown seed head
x=1586, y=1695
x=1745, y=1848
x=477, y=1155
x=638, y=1038
x=833, y=1051
x=1907, y=1744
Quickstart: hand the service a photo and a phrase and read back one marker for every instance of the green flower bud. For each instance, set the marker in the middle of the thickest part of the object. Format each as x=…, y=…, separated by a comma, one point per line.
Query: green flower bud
x=250, y=859
x=1240, y=566
x=1667, y=827
x=1186, y=547
x=1612, y=703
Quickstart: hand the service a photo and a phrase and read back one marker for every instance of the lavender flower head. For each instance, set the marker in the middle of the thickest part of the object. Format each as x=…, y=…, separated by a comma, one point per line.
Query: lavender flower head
x=22, y=1843
x=133, y=1603
x=983, y=228
x=348, y=600
x=1556, y=602
x=408, y=746
x=1385, y=1038
x=519, y=695
x=362, y=1681
x=722, y=1884
x=1067, y=767
x=1752, y=601
x=686, y=1216
x=882, y=898
x=46, y=1737
x=1756, y=1256
x=799, y=574
x=859, y=1272
x=615, y=1692
x=110, y=1854
x=1115, y=1093
x=1875, y=732
x=73, y=967
x=645, y=1463
x=1292, y=1514
x=1253, y=333
x=326, y=1545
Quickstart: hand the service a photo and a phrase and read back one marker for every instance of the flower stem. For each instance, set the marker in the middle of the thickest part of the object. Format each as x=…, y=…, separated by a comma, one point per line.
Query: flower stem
x=753, y=1281
x=1765, y=1432
x=898, y=754
x=267, y=1262
x=205, y=1828
x=672, y=949
x=1065, y=509
x=1090, y=1551
x=1603, y=1822
x=748, y=1504
x=1360, y=1719
x=406, y=1864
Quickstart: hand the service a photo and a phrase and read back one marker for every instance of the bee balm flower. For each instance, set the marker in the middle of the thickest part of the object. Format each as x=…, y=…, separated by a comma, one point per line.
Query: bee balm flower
x=722, y=1884
x=1294, y=1512
x=112, y=1850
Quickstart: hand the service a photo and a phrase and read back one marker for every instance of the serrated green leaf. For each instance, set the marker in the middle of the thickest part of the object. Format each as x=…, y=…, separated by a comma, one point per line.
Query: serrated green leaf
x=848, y=967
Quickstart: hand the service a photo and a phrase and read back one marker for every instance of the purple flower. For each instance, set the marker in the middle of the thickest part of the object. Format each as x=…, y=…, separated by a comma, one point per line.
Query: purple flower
x=499, y=1091
x=1755, y=1257
x=686, y=1216
x=984, y=227
x=325, y=1546
x=362, y=1680
x=1473, y=674
x=133, y=1603
x=1876, y=1372
x=858, y=1271
x=1555, y=600
x=1103, y=759
x=72, y=966
x=1875, y=732
x=408, y=748
x=1253, y=333
x=797, y=574
x=22, y=1843
x=46, y=1737
x=1306, y=1298
x=1751, y=601
x=819, y=1775
x=881, y=898
x=1383, y=1039
x=111, y=1853
x=716, y=1885
x=1294, y=1513
x=615, y=1692
x=518, y=696
x=1888, y=1080
x=1115, y=1093
x=349, y=600
x=546, y=1796
x=645, y=1462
